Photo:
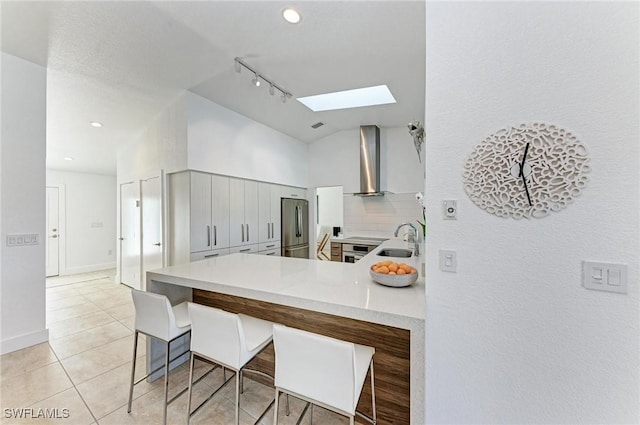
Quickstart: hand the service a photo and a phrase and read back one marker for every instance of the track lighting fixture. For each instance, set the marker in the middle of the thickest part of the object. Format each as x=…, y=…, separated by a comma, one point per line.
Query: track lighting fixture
x=256, y=81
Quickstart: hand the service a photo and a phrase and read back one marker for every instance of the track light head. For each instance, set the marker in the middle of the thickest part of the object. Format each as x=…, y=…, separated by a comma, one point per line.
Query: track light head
x=256, y=80
x=284, y=98
x=237, y=66
x=271, y=90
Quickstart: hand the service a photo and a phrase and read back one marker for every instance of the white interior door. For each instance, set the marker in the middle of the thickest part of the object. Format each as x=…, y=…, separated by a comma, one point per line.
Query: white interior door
x=129, y=236
x=52, y=243
x=151, y=195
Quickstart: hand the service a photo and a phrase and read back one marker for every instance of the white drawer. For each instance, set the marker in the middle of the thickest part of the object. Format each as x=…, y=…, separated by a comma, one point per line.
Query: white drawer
x=245, y=249
x=269, y=246
x=197, y=256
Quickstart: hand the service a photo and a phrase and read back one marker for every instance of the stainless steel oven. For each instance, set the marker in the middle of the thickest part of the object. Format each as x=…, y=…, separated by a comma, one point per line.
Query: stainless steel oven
x=354, y=252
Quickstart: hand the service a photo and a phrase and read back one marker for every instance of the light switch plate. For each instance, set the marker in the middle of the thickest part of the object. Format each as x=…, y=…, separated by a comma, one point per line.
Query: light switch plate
x=450, y=209
x=448, y=261
x=608, y=277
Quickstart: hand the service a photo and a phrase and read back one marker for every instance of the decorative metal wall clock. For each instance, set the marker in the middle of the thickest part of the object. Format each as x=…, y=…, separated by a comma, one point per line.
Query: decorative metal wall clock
x=526, y=171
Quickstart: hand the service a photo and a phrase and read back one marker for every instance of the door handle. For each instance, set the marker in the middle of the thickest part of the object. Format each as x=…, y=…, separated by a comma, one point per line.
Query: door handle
x=208, y=235
x=242, y=228
x=268, y=231
x=247, y=233
x=215, y=235
x=157, y=244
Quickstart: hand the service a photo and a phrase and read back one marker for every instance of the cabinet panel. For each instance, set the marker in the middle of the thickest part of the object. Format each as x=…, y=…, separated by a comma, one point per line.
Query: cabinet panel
x=219, y=212
x=269, y=212
x=294, y=192
x=200, y=213
x=251, y=211
x=264, y=212
x=197, y=256
x=276, y=194
x=236, y=212
x=245, y=249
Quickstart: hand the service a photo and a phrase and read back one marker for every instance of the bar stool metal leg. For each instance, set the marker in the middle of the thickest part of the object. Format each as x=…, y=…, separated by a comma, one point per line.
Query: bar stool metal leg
x=191, y=364
x=133, y=370
x=166, y=384
x=373, y=395
x=275, y=407
x=238, y=379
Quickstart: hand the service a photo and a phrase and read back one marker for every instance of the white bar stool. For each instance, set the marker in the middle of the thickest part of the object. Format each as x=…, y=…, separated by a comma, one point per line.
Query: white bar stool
x=155, y=317
x=320, y=370
x=227, y=339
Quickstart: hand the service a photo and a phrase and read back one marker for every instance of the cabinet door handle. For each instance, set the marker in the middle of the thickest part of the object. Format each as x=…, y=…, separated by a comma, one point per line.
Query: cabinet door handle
x=247, y=233
x=271, y=253
x=268, y=231
x=272, y=235
x=270, y=246
x=242, y=229
x=211, y=255
x=208, y=235
x=245, y=250
x=157, y=244
x=215, y=235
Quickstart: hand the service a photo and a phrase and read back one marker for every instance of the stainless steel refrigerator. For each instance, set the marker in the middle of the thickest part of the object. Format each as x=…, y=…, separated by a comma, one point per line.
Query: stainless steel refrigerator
x=295, y=228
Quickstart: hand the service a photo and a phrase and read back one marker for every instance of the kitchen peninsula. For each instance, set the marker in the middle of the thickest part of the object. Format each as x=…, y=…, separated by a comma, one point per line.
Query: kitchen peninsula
x=334, y=299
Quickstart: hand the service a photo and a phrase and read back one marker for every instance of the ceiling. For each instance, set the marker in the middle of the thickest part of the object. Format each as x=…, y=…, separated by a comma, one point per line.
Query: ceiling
x=122, y=63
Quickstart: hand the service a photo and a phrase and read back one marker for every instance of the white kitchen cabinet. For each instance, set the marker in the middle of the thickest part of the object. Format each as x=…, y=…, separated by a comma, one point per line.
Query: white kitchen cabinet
x=269, y=212
x=293, y=192
x=197, y=256
x=245, y=249
x=243, y=212
x=198, y=215
x=269, y=248
x=209, y=215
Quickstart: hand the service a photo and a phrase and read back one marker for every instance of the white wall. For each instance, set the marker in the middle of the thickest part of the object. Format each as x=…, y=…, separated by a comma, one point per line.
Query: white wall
x=162, y=145
x=224, y=142
x=513, y=337
x=90, y=223
x=381, y=215
x=330, y=208
x=22, y=203
x=335, y=161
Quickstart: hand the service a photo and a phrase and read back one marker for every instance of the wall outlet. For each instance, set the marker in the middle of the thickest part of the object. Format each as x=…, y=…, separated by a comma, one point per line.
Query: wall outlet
x=608, y=277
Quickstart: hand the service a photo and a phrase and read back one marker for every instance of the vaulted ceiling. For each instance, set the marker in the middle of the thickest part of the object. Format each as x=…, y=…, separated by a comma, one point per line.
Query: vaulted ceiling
x=121, y=63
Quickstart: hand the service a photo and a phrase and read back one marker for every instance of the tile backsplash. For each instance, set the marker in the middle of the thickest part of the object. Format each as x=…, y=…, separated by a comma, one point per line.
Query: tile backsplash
x=380, y=215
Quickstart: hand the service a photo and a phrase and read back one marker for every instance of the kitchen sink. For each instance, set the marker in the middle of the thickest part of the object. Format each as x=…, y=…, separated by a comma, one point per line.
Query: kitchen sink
x=395, y=252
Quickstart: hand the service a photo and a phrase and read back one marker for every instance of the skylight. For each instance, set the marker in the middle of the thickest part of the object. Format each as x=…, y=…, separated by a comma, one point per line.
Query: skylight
x=367, y=96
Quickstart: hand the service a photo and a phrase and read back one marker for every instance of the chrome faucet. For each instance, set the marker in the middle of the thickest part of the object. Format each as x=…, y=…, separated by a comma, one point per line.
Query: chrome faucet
x=412, y=237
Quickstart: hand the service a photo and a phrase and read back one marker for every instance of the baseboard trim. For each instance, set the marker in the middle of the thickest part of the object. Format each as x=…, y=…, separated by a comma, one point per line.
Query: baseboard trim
x=88, y=269
x=23, y=341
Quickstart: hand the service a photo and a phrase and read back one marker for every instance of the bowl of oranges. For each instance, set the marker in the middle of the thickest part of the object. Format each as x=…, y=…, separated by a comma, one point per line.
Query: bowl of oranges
x=390, y=273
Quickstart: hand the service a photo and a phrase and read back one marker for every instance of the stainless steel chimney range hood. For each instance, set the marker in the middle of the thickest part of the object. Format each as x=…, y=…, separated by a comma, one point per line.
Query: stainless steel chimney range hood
x=369, y=161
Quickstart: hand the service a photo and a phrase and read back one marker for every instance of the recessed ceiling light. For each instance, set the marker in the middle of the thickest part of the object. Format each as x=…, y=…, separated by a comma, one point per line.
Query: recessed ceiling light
x=291, y=15
x=96, y=124
x=68, y=158
x=367, y=96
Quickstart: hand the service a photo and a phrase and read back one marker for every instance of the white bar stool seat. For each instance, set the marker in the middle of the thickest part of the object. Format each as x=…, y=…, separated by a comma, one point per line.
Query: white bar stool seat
x=227, y=339
x=156, y=318
x=323, y=371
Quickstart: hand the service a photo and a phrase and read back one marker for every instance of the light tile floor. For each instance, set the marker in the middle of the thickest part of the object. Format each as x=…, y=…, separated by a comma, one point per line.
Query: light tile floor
x=84, y=370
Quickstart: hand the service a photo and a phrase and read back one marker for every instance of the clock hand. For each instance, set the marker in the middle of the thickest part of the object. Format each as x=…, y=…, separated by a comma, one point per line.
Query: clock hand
x=524, y=180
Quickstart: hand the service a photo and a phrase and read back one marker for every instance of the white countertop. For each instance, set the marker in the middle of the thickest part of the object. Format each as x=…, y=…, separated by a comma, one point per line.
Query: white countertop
x=342, y=289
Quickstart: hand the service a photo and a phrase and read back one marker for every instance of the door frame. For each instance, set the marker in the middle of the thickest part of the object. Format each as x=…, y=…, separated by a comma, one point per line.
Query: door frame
x=161, y=176
x=62, y=226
